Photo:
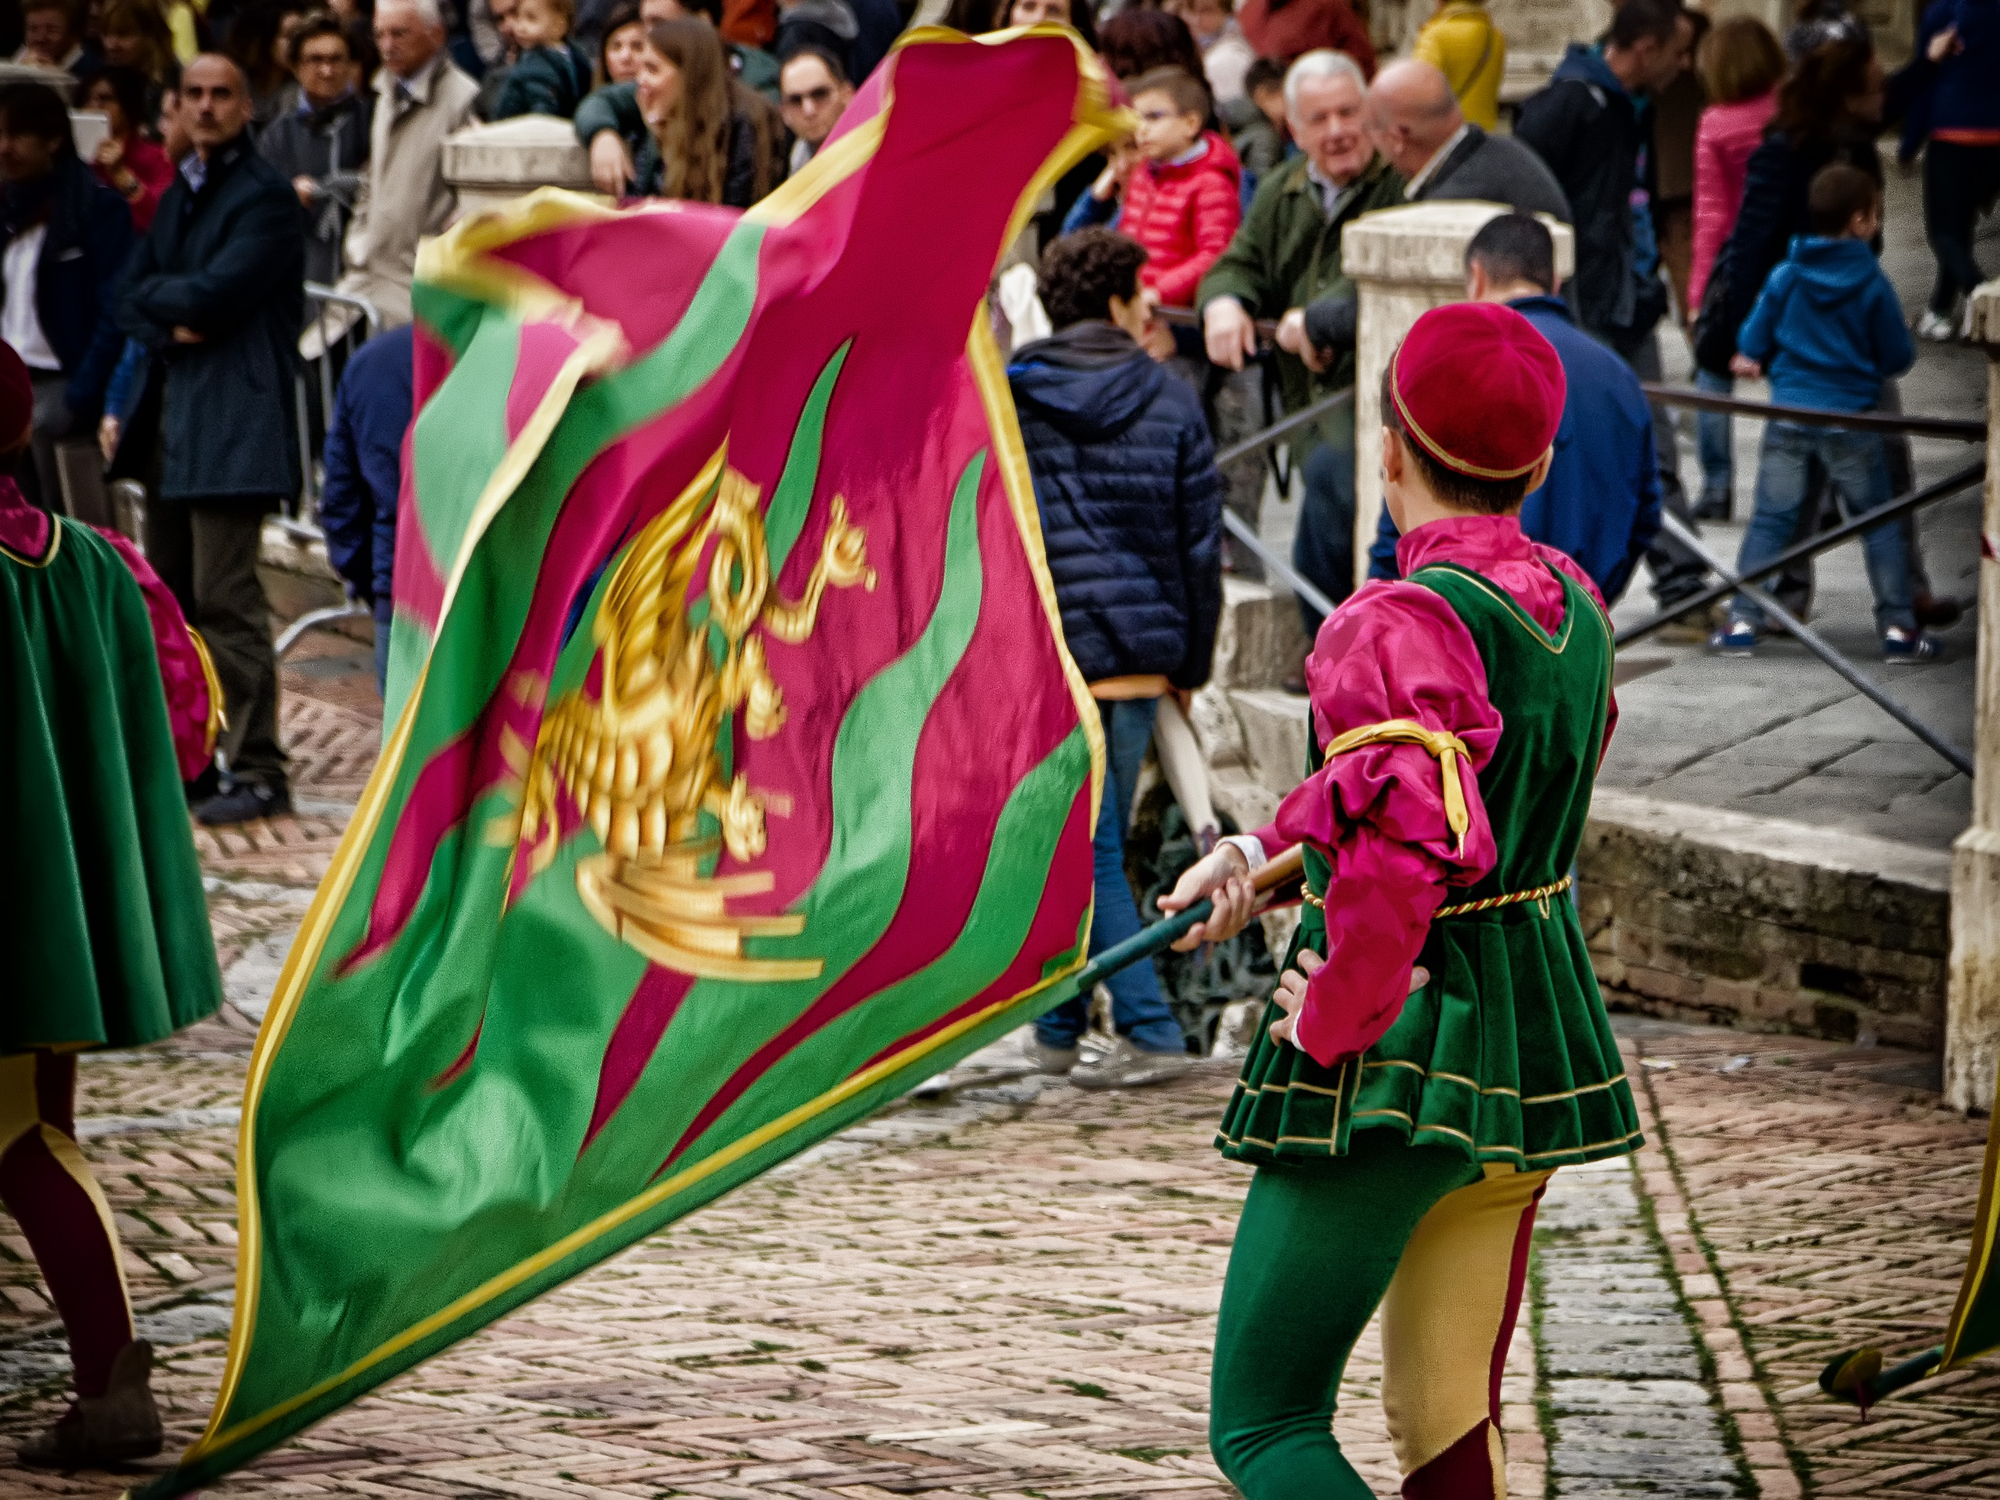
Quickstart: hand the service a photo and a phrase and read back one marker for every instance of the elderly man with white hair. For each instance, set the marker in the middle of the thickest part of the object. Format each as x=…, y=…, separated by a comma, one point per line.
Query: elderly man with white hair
x=421, y=97
x=1287, y=255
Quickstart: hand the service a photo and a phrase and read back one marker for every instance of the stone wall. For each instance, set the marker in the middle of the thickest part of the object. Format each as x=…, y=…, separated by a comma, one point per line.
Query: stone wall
x=1700, y=914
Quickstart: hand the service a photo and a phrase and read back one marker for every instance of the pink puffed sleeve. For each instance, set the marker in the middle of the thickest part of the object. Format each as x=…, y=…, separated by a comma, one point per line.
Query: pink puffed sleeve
x=1396, y=651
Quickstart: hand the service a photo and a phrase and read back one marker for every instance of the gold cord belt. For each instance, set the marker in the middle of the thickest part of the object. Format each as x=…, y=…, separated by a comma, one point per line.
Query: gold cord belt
x=1540, y=894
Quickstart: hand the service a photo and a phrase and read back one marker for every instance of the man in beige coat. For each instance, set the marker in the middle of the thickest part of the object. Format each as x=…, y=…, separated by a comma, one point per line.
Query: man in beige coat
x=421, y=97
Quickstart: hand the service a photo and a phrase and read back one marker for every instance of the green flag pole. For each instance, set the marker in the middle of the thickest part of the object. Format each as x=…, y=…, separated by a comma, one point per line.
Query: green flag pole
x=1271, y=882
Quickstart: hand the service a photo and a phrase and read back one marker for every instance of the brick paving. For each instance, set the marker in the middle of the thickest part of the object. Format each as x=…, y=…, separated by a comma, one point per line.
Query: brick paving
x=1831, y=1201
x=1012, y=1293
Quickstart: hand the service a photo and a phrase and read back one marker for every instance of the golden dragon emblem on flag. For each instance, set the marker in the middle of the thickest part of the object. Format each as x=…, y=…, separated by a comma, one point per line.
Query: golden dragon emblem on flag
x=642, y=760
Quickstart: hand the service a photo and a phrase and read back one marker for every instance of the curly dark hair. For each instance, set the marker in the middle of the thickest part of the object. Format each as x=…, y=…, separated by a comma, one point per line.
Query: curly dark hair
x=1082, y=272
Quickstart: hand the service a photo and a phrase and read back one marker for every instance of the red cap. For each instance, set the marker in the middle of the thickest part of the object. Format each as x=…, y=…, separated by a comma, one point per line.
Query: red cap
x=1478, y=389
x=17, y=401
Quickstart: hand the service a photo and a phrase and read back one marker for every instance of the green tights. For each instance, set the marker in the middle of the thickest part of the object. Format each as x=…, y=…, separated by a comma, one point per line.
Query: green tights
x=1316, y=1250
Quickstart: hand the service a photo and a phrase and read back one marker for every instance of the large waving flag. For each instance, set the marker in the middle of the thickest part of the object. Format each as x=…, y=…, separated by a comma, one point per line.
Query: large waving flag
x=739, y=777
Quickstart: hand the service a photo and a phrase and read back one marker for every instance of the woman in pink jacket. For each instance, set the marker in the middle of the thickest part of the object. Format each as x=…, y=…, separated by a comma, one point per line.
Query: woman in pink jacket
x=1741, y=64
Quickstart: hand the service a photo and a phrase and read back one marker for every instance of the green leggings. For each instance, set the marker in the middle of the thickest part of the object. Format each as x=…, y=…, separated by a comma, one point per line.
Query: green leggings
x=1318, y=1249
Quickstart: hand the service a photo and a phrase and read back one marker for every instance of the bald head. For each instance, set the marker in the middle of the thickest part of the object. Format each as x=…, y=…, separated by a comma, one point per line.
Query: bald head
x=1411, y=113
x=215, y=102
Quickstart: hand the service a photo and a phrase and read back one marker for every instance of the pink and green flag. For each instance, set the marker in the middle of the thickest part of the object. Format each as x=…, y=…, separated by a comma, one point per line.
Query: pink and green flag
x=739, y=778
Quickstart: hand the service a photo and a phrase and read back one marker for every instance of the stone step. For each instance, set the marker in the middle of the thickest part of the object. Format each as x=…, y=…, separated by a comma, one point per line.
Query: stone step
x=1274, y=728
x=1258, y=644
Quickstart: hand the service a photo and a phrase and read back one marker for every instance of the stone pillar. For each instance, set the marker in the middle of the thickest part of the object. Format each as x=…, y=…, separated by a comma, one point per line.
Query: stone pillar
x=1405, y=262
x=491, y=164
x=1972, y=1003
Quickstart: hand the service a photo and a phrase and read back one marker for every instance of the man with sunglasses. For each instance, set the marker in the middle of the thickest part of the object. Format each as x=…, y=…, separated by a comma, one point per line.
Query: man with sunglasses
x=813, y=93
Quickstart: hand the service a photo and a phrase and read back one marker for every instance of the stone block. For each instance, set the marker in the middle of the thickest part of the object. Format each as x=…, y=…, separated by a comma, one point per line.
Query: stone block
x=1236, y=796
x=1215, y=728
x=1261, y=640
x=493, y=164
x=1275, y=730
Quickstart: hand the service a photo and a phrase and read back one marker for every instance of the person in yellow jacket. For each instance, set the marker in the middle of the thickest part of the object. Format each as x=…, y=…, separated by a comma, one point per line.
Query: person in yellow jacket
x=1463, y=43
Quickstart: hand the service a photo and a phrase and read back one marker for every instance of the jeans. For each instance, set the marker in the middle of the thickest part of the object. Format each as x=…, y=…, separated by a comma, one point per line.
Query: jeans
x=1323, y=546
x=1958, y=181
x=1859, y=470
x=1138, y=1010
x=384, y=614
x=1714, y=434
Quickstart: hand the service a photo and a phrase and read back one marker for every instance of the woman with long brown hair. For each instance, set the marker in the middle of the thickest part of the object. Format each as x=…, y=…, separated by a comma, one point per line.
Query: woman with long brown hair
x=135, y=34
x=709, y=138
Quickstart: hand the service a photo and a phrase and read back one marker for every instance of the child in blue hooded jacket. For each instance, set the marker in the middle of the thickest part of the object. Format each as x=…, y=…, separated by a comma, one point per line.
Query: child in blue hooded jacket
x=1829, y=330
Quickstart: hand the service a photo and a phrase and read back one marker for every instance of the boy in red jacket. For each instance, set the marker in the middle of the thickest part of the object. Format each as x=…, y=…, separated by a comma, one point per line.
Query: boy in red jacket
x=1181, y=183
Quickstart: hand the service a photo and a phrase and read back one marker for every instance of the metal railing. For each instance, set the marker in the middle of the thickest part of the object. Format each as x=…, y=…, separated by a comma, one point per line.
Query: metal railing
x=1893, y=510
x=329, y=339
x=338, y=325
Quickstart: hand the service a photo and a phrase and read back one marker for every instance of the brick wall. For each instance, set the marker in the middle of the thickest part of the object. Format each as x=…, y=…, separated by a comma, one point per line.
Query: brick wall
x=1772, y=926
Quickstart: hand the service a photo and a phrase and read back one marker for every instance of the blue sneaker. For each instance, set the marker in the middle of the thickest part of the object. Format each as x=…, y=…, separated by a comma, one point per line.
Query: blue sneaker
x=1910, y=646
x=1737, y=638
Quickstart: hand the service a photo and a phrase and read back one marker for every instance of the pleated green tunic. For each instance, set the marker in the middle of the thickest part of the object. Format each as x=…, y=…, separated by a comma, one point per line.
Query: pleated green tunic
x=1506, y=1055
x=103, y=921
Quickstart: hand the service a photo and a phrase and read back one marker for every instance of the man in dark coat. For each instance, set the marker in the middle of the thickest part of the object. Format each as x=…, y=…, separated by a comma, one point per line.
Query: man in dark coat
x=64, y=239
x=1131, y=508
x=1601, y=501
x=1586, y=124
x=215, y=290
x=1417, y=125
x=364, y=472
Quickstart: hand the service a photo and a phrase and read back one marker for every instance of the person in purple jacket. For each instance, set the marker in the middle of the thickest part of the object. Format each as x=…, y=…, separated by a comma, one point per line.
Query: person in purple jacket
x=1829, y=329
x=364, y=471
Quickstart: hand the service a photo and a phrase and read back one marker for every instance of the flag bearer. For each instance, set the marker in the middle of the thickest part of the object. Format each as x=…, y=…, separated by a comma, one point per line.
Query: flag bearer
x=1437, y=1045
x=103, y=923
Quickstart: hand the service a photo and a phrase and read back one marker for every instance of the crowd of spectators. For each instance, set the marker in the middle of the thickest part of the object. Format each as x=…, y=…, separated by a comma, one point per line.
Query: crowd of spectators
x=234, y=150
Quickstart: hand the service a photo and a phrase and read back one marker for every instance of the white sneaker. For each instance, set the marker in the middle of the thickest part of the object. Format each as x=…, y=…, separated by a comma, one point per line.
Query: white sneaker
x=1936, y=327
x=1047, y=1059
x=1126, y=1067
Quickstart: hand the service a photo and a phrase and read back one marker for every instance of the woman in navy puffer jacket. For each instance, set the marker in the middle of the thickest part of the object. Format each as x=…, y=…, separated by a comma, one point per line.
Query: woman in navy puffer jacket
x=1131, y=508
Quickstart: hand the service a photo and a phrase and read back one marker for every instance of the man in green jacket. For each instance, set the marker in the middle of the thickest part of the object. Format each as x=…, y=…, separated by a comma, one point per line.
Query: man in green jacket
x=1286, y=255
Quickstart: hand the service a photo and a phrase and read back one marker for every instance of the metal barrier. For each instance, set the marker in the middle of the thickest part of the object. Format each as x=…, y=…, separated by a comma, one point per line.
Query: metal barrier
x=338, y=325
x=329, y=338
x=1814, y=642
x=1950, y=485
x=1969, y=432
x=1806, y=416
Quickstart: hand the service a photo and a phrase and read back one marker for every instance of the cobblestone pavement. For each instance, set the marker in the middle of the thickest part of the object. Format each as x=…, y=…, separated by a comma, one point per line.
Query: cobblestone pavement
x=1011, y=1292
